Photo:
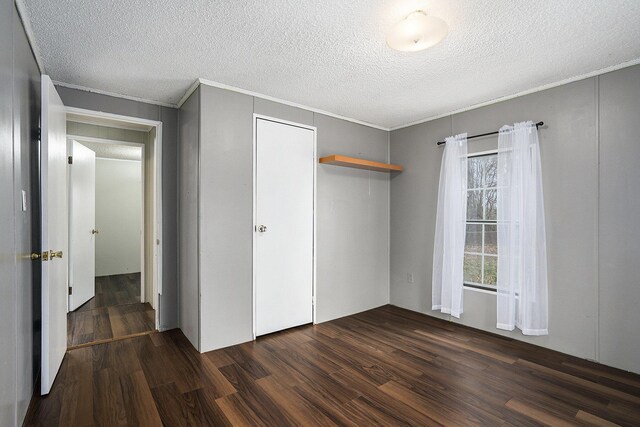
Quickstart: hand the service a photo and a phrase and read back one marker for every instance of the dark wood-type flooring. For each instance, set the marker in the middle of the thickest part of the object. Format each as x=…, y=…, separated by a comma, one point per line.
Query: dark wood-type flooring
x=115, y=312
x=119, y=289
x=386, y=366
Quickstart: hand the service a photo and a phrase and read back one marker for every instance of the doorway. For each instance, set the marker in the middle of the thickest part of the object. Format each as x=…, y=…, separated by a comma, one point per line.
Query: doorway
x=109, y=297
x=54, y=204
x=284, y=230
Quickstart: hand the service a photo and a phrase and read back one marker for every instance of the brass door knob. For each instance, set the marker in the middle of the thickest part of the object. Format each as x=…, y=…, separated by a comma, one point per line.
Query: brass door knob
x=57, y=254
x=35, y=256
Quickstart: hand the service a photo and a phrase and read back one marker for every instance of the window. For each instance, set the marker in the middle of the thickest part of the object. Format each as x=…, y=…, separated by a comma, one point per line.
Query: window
x=481, y=246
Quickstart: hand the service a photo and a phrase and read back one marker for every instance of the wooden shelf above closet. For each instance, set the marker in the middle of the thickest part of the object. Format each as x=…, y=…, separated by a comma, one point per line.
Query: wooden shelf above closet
x=352, y=162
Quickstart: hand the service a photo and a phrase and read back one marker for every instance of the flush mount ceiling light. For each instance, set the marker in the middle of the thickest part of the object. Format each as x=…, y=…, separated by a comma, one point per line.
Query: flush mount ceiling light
x=418, y=31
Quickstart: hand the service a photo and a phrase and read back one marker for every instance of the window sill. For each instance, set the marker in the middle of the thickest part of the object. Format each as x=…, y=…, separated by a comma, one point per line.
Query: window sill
x=467, y=287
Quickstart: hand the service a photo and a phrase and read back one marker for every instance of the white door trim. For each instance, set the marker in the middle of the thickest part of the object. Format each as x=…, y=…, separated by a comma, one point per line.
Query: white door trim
x=128, y=122
x=143, y=261
x=256, y=117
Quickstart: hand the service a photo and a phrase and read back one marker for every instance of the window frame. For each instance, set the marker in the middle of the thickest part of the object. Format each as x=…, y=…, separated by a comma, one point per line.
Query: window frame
x=483, y=222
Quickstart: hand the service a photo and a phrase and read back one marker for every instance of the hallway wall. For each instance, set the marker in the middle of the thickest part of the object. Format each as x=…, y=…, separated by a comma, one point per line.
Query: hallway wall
x=118, y=216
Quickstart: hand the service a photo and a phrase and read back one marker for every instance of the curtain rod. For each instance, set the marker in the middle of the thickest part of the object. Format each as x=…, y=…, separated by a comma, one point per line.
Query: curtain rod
x=489, y=133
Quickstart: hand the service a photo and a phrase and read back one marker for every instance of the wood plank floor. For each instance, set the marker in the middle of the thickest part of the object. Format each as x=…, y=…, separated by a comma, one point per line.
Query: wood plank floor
x=119, y=289
x=115, y=312
x=386, y=366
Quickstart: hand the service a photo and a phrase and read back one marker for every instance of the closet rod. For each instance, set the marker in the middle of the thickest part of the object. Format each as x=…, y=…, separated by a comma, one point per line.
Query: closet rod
x=489, y=133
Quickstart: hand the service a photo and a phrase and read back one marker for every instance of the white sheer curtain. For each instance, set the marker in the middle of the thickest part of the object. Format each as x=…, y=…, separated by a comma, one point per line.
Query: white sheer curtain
x=448, y=251
x=522, y=255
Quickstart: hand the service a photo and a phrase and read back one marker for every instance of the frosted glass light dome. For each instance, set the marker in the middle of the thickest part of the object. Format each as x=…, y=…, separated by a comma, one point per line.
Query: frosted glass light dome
x=418, y=31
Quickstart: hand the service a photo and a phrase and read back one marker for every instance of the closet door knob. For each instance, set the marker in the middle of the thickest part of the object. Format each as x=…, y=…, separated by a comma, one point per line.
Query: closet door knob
x=262, y=228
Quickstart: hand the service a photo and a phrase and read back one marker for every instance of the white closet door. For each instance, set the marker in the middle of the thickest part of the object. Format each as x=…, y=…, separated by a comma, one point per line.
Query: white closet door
x=82, y=232
x=284, y=226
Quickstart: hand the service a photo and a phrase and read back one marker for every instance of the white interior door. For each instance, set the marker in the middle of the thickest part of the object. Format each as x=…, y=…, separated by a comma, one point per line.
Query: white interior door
x=82, y=223
x=53, y=152
x=284, y=226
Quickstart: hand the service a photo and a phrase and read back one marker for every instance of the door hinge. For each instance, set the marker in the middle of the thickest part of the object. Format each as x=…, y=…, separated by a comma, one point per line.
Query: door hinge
x=70, y=160
x=70, y=290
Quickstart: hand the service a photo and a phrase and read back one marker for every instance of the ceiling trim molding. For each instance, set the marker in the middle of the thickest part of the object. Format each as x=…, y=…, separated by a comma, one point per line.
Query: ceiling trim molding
x=280, y=101
x=115, y=95
x=26, y=24
x=188, y=93
x=525, y=92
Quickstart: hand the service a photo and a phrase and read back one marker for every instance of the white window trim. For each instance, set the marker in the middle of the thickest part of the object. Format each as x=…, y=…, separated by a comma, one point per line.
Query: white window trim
x=466, y=285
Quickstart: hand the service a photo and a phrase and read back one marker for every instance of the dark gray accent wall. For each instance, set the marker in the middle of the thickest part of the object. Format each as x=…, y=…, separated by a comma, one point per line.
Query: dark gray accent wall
x=169, y=118
x=593, y=278
x=19, y=230
x=8, y=284
x=169, y=300
x=352, y=215
x=26, y=121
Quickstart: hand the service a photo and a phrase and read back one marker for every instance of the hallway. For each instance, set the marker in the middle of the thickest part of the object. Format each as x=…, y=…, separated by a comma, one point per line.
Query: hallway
x=115, y=312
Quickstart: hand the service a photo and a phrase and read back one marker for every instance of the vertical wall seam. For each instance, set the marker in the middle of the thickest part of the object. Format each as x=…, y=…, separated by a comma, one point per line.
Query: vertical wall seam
x=449, y=317
x=389, y=222
x=178, y=219
x=197, y=192
x=159, y=309
x=597, y=221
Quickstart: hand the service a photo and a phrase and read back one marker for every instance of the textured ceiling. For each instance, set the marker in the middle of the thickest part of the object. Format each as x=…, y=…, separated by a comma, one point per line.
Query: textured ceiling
x=331, y=54
x=113, y=151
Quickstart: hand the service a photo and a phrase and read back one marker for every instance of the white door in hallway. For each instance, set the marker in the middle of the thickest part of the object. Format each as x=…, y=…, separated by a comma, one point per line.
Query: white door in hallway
x=284, y=225
x=82, y=224
x=53, y=176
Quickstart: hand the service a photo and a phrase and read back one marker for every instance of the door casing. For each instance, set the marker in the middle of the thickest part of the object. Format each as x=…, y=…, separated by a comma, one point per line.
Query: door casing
x=136, y=123
x=256, y=117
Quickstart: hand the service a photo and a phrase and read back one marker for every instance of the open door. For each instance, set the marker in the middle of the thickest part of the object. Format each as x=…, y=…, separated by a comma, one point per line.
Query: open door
x=82, y=223
x=53, y=155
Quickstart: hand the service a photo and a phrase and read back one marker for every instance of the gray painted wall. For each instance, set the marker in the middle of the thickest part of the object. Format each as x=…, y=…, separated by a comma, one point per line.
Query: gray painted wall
x=20, y=284
x=589, y=318
x=8, y=284
x=225, y=212
x=352, y=221
x=352, y=216
x=26, y=121
x=188, y=259
x=619, y=211
x=169, y=118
